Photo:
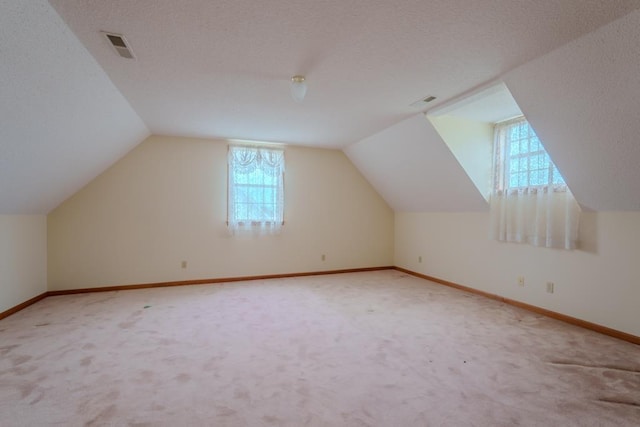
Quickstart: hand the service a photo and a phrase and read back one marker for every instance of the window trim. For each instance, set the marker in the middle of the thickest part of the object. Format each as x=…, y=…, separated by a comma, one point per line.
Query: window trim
x=502, y=162
x=254, y=223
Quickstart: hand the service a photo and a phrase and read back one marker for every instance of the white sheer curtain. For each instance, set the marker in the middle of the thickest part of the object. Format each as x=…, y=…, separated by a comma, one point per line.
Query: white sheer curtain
x=255, y=190
x=540, y=217
x=530, y=202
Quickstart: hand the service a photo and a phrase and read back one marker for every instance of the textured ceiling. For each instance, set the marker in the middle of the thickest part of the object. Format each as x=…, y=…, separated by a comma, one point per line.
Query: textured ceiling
x=583, y=100
x=62, y=120
x=70, y=107
x=221, y=68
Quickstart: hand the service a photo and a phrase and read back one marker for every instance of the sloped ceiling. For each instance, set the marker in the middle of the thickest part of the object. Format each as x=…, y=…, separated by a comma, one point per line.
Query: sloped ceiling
x=63, y=121
x=221, y=68
x=414, y=171
x=583, y=100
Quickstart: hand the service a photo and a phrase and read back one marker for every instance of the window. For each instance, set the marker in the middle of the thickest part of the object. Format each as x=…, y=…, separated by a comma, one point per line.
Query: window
x=256, y=189
x=530, y=202
x=521, y=160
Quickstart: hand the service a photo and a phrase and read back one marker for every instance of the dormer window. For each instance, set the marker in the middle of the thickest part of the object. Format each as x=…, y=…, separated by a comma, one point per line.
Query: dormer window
x=530, y=202
x=520, y=160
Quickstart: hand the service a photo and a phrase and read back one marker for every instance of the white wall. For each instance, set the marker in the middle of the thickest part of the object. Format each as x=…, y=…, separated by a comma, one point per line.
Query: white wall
x=599, y=283
x=166, y=202
x=414, y=170
x=23, y=258
x=471, y=143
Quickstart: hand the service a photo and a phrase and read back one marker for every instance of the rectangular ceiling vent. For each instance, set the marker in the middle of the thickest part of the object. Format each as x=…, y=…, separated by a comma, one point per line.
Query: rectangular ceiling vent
x=120, y=44
x=423, y=102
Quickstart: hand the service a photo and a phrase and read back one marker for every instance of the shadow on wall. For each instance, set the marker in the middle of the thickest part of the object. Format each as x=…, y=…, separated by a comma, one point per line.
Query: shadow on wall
x=588, y=236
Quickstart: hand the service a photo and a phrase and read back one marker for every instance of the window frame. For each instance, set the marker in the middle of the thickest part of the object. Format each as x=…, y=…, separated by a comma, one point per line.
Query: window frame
x=503, y=160
x=278, y=187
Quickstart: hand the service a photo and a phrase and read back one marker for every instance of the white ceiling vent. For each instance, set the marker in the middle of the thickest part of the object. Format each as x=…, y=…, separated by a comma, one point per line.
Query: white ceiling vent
x=120, y=44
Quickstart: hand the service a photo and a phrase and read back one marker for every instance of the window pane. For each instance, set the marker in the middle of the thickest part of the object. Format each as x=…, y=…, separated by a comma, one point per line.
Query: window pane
x=513, y=133
x=524, y=131
x=252, y=194
x=546, y=161
x=270, y=180
x=534, y=162
x=557, y=178
x=513, y=180
x=254, y=177
x=255, y=184
x=522, y=180
x=527, y=164
x=241, y=211
x=267, y=212
x=254, y=212
x=514, y=165
x=241, y=195
x=535, y=144
x=269, y=195
x=514, y=148
x=539, y=177
x=240, y=178
x=523, y=165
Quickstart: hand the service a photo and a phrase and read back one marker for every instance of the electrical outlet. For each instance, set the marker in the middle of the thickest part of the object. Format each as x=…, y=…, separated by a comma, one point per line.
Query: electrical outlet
x=420, y=258
x=521, y=280
x=323, y=257
x=183, y=264
x=550, y=287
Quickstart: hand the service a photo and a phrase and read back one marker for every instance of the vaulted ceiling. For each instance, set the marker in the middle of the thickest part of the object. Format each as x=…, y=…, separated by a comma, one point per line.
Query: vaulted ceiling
x=71, y=106
x=63, y=120
x=583, y=100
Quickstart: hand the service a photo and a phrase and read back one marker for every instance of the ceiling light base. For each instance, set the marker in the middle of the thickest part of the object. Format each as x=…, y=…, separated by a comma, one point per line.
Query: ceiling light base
x=298, y=88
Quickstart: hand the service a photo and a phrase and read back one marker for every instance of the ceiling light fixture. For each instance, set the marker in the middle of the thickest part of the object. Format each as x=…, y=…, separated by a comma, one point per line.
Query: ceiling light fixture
x=298, y=88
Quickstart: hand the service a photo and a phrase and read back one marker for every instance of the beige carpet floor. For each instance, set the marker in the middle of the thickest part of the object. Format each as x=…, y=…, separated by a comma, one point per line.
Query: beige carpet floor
x=364, y=349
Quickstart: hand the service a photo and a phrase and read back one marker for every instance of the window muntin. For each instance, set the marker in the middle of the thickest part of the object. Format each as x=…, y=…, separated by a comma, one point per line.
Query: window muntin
x=521, y=160
x=256, y=187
